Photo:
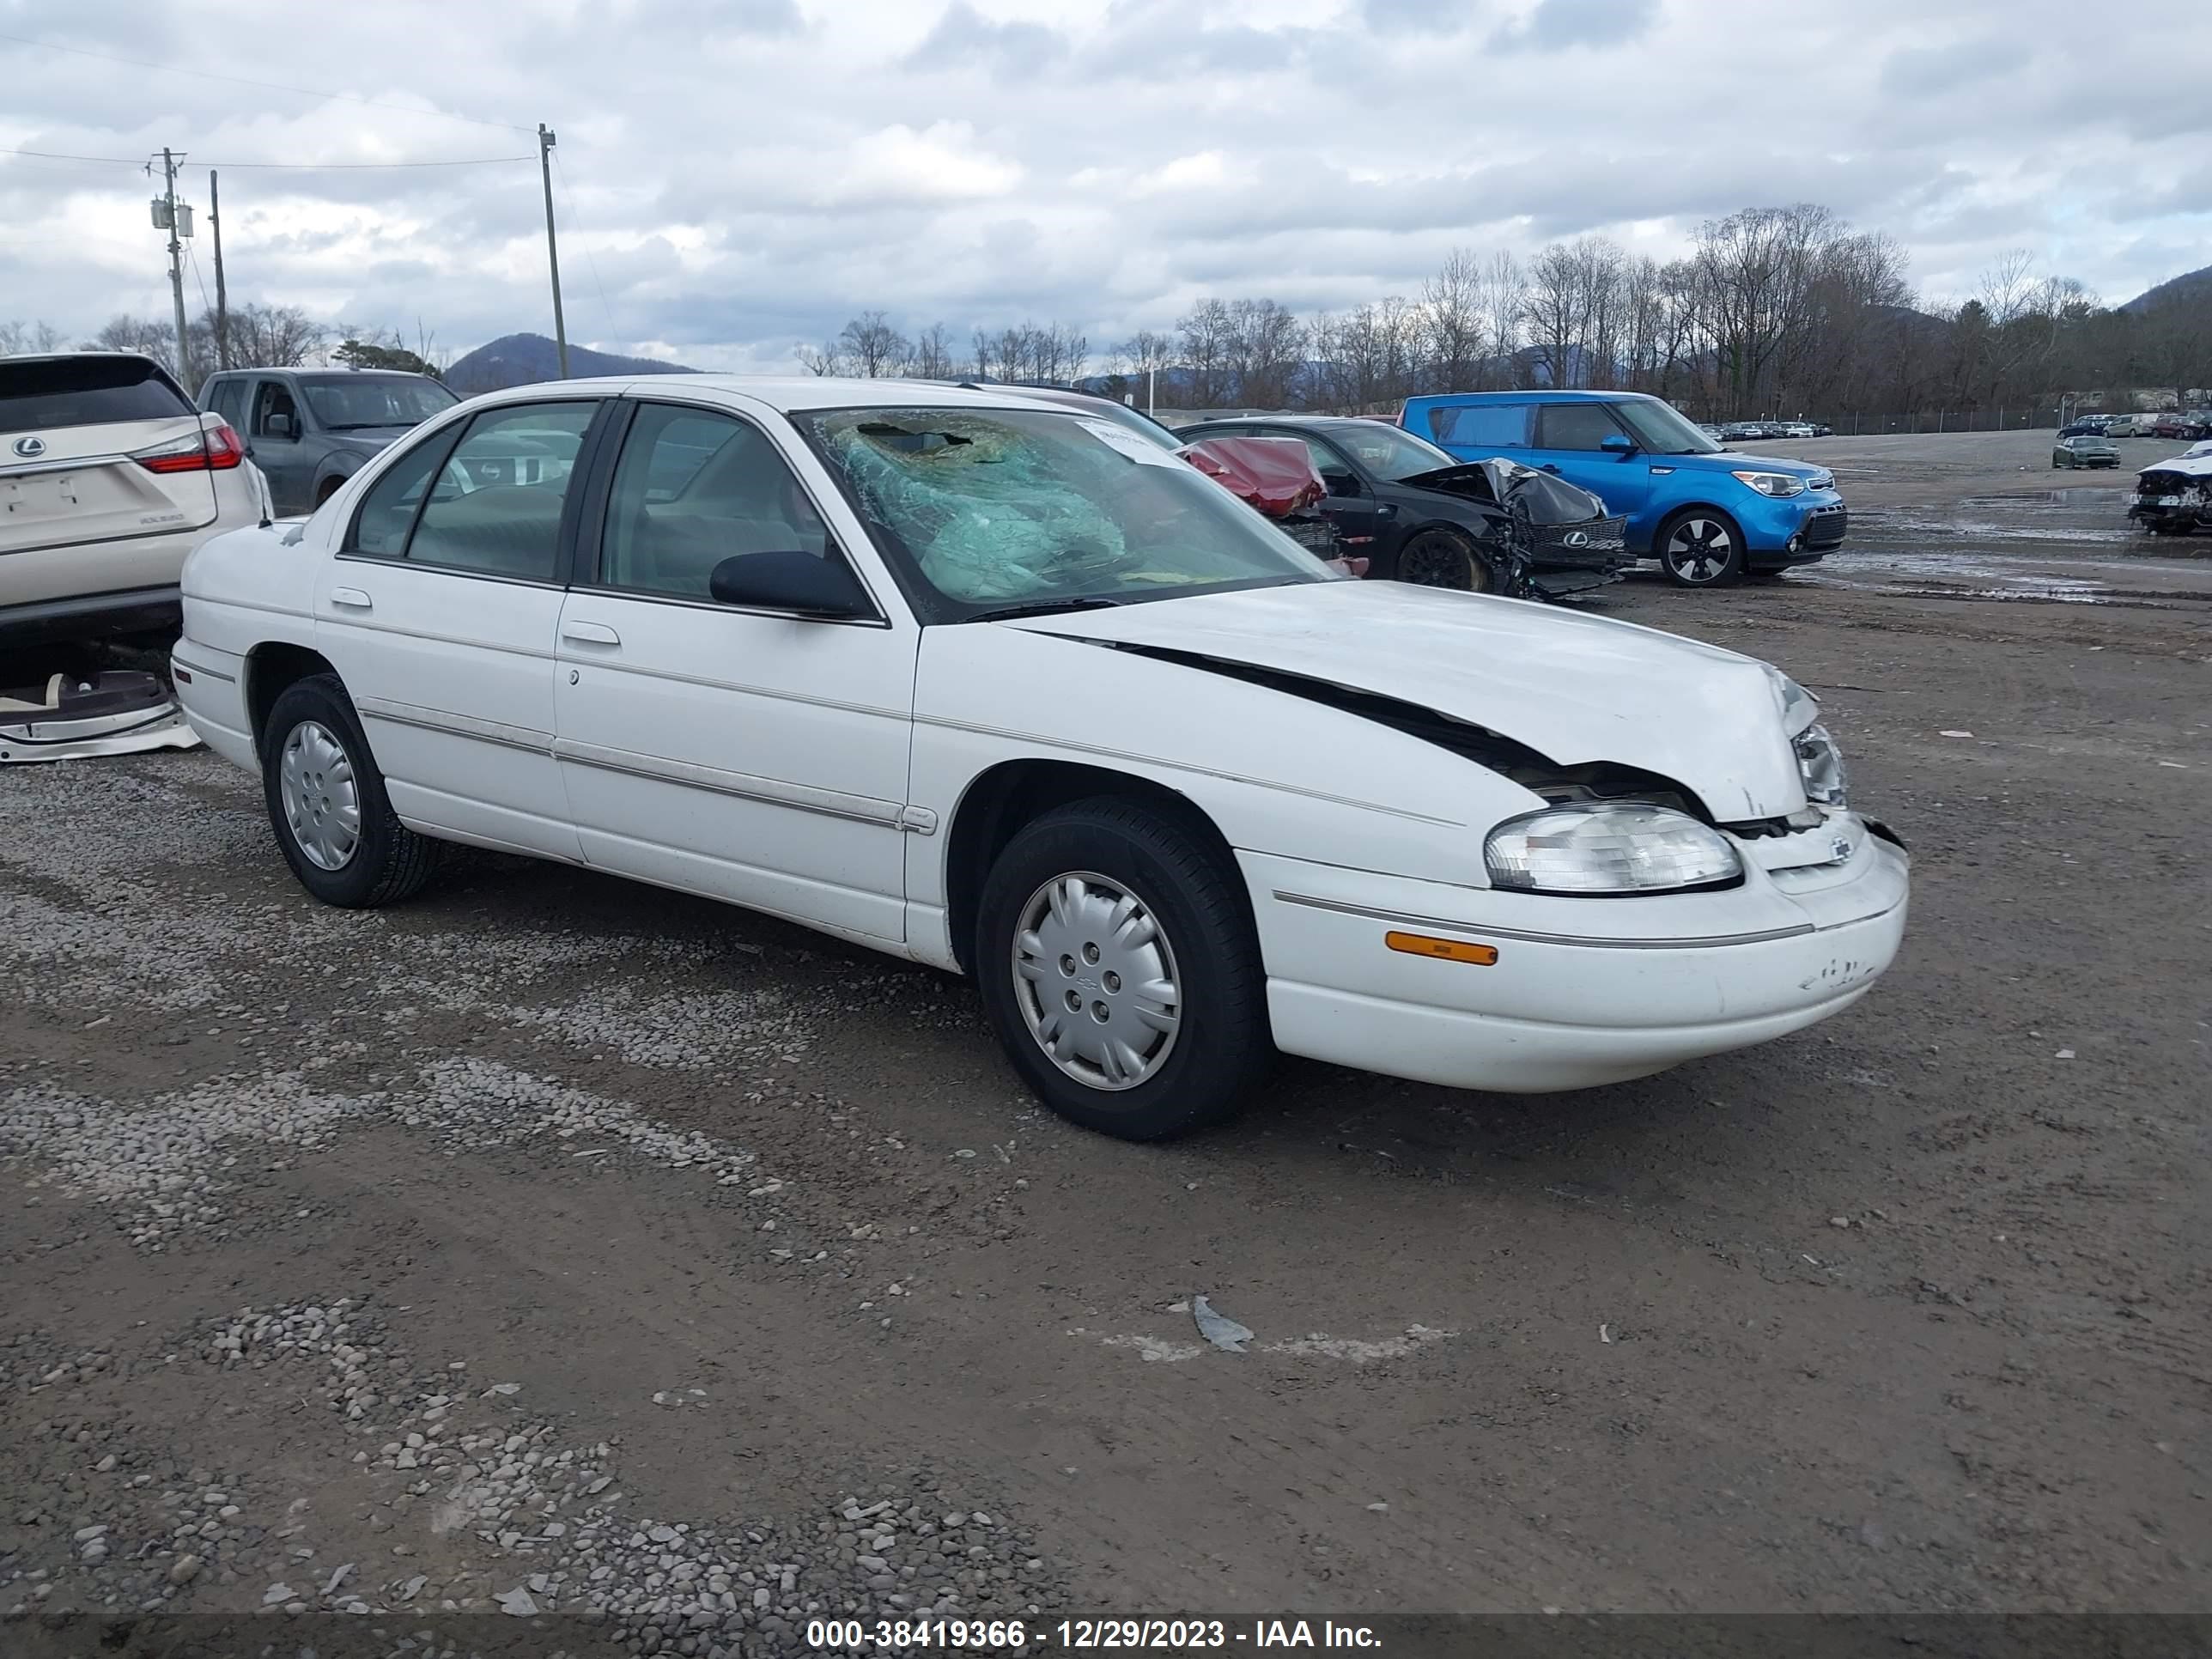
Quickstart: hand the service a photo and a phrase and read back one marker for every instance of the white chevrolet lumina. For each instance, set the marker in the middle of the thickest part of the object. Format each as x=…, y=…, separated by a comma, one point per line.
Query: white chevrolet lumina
x=1000, y=687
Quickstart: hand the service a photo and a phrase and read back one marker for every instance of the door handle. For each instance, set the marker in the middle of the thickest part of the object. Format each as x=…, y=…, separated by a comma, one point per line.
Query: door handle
x=352, y=597
x=589, y=632
x=1549, y=466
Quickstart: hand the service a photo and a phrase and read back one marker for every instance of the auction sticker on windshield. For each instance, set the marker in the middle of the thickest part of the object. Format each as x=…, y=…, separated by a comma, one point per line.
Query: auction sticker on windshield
x=1128, y=442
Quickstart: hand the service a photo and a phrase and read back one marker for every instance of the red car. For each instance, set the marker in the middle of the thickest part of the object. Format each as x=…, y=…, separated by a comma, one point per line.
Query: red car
x=2179, y=426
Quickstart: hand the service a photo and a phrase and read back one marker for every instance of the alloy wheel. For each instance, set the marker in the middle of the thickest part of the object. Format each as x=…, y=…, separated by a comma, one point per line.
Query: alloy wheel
x=1095, y=980
x=1699, y=552
x=322, y=800
x=1435, y=561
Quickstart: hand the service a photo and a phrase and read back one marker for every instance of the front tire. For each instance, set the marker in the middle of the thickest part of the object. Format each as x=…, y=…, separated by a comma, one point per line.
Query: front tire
x=1119, y=969
x=327, y=803
x=1443, y=558
x=1700, y=547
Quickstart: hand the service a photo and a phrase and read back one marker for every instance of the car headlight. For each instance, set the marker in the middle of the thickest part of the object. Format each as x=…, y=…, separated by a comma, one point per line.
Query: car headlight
x=1606, y=848
x=1776, y=484
x=1819, y=762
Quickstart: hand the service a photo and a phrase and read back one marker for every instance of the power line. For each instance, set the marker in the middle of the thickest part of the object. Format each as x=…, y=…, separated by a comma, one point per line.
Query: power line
x=52, y=156
x=361, y=166
x=266, y=85
x=282, y=166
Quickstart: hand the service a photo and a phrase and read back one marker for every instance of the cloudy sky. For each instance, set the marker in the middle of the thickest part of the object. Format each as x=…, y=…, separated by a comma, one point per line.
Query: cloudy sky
x=740, y=176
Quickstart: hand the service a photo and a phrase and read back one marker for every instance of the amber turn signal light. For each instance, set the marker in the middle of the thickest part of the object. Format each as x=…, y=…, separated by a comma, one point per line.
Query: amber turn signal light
x=1449, y=949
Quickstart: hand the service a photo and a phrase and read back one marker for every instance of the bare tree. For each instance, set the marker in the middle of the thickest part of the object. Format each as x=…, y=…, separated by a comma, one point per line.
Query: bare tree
x=1452, y=322
x=872, y=345
x=827, y=358
x=285, y=336
x=933, y=353
x=19, y=336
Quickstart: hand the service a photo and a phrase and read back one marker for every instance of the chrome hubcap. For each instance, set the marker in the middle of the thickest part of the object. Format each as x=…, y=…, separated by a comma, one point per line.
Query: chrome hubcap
x=1094, y=978
x=1700, y=549
x=321, y=804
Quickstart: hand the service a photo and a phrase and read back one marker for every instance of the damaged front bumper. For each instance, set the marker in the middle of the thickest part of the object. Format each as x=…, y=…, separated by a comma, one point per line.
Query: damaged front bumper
x=69, y=717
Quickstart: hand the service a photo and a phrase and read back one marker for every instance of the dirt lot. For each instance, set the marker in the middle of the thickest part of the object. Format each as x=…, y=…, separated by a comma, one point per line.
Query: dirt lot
x=558, y=1236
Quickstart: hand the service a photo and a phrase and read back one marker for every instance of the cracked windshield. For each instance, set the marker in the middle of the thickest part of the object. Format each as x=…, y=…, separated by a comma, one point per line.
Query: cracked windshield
x=992, y=508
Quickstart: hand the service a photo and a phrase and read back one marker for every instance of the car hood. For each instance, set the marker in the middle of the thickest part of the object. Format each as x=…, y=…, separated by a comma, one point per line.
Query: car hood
x=1577, y=689
x=1738, y=461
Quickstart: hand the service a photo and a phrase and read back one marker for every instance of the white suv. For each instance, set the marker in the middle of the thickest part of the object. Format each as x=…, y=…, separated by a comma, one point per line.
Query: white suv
x=109, y=476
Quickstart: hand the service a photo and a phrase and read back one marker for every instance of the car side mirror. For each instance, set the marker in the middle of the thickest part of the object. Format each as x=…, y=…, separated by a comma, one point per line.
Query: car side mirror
x=1341, y=484
x=1615, y=444
x=799, y=581
x=278, y=426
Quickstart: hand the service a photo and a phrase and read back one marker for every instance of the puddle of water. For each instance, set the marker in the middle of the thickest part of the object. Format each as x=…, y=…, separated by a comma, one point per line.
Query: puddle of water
x=1959, y=576
x=2077, y=496
x=1881, y=522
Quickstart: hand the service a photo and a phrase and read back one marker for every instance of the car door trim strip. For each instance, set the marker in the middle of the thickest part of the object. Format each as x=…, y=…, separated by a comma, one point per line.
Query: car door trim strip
x=458, y=726
x=347, y=618
x=1398, y=918
x=773, y=791
x=609, y=665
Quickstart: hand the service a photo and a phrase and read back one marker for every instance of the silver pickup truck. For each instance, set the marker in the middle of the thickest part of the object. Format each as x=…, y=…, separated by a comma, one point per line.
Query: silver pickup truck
x=310, y=429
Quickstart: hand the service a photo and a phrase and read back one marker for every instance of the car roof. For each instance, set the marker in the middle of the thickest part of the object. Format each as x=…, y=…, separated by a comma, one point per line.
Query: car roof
x=1285, y=420
x=75, y=357
x=339, y=371
x=1533, y=397
x=790, y=392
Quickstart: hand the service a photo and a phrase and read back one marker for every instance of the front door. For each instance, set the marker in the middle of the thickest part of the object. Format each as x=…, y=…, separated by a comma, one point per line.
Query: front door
x=1571, y=441
x=758, y=757
x=439, y=611
x=1361, y=519
x=279, y=446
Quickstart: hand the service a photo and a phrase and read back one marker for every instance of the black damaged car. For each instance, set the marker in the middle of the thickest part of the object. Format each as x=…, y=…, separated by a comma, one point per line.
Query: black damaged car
x=1418, y=515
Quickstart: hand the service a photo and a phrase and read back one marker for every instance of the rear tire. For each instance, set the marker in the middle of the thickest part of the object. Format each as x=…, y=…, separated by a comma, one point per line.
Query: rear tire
x=1699, y=547
x=1119, y=967
x=327, y=803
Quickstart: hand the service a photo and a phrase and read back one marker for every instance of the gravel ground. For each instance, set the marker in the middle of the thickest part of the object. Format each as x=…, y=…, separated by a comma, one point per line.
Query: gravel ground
x=573, y=1258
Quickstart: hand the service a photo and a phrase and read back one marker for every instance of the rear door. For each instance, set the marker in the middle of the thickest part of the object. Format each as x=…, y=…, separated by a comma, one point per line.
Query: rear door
x=1477, y=432
x=438, y=610
x=756, y=755
x=1570, y=442
x=75, y=470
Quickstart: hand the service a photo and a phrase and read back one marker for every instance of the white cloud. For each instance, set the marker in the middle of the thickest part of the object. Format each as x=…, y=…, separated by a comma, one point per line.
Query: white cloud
x=736, y=178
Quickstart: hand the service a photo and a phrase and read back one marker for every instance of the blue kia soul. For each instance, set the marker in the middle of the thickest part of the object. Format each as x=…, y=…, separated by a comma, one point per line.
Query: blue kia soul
x=1708, y=514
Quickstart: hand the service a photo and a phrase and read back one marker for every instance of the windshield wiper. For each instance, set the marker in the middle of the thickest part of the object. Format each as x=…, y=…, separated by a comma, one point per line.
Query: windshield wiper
x=1043, y=608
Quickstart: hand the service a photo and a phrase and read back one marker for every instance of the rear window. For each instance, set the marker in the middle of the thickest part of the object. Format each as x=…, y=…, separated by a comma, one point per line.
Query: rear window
x=1500, y=426
x=57, y=391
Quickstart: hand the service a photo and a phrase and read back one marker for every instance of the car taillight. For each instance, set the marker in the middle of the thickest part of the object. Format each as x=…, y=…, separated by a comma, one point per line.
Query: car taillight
x=216, y=449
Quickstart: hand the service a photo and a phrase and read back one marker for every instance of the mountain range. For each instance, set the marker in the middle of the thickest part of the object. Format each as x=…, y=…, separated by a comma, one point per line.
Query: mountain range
x=2190, y=285
x=527, y=359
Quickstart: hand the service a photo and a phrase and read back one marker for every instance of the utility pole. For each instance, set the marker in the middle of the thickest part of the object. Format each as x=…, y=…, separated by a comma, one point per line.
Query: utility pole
x=545, y=141
x=221, y=299
x=176, y=268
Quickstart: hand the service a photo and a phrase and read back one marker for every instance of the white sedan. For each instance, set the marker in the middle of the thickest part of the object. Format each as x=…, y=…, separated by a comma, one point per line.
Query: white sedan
x=998, y=687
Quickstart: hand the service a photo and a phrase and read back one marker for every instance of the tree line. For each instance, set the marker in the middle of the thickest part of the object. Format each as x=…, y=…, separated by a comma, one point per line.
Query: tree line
x=1772, y=311
x=252, y=336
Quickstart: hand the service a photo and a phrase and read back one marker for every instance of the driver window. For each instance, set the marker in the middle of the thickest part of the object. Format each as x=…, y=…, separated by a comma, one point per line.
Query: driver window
x=1335, y=471
x=692, y=488
x=1575, y=426
x=274, y=416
